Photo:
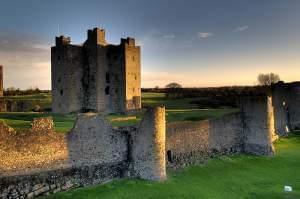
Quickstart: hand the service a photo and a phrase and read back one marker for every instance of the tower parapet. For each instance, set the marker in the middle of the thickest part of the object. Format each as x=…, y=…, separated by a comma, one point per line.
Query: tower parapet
x=1, y=81
x=62, y=40
x=129, y=41
x=97, y=36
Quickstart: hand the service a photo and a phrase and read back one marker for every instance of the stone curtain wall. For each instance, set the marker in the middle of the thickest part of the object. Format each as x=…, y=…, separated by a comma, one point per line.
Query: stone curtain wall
x=40, y=161
x=53, y=181
x=250, y=131
x=286, y=101
x=93, y=141
x=1, y=81
x=148, y=146
x=258, y=121
x=193, y=142
x=294, y=106
x=29, y=151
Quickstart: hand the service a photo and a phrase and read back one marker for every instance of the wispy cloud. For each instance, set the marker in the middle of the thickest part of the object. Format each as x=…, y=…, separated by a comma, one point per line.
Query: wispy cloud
x=25, y=58
x=204, y=34
x=170, y=36
x=240, y=28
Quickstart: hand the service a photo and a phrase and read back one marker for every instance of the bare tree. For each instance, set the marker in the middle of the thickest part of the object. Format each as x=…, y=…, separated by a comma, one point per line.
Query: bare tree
x=173, y=85
x=268, y=79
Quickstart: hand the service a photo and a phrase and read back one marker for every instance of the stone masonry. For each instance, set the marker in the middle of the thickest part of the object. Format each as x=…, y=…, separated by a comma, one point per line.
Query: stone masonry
x=1, y=81
x=95, y=76
x=41, y=161
x=2, y=102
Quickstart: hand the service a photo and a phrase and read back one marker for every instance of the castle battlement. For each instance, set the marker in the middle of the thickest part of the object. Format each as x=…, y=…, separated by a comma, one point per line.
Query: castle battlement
x=62, y=40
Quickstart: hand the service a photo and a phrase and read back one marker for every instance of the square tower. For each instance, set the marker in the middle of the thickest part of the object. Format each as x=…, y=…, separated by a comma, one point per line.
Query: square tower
x=1, y=81
x=96, y=76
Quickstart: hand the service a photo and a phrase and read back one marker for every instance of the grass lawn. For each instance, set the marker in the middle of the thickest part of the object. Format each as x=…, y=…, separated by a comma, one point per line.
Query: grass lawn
x=238, y=176
x=23, y=120
x=155, y=99
x=177, y=110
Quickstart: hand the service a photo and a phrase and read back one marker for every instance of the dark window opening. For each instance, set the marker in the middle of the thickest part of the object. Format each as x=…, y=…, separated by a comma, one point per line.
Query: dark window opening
x=59, y=80
x=107, y=78
x=132, y=58
x=58, y=58
x=61, y=92
x=107, y=90
x=169, y=156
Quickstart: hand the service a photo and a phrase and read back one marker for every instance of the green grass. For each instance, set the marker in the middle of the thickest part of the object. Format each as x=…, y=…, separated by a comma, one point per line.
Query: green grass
x=40, y=96
x=238, y=176
x=173, y=115
x=177, y=110
x=156, y=99
x=23, y=120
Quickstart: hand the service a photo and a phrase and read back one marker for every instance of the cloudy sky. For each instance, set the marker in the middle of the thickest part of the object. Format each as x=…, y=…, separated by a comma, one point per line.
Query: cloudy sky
x=192, y=42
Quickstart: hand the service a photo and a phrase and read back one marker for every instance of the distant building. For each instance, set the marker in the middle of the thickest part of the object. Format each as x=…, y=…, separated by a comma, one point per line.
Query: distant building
x=95, y=76
x=1, y=81
x=2, y=102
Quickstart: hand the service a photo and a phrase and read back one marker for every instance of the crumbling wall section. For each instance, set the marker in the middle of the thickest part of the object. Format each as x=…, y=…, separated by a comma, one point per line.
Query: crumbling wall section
x=94, y=141
x=148, y=146
x=40, y=161
x=258, y=122
x=280, y=101
x=1, y=81
x=194, y=142
x=294, y=105
x=53, y=181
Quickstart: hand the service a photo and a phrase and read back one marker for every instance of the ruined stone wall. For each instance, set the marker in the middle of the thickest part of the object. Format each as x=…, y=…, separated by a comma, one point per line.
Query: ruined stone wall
x=1, y=81
x=294, y=105
x=2, y=105
x=148, y=146
x=40, y=161
x=53, y=181
x=2, y=102
x=286, y=102
x=280, y=101
x=258, y=124
x=193, y=142
x=67, y=76
x=93, y=141
x=132, y=74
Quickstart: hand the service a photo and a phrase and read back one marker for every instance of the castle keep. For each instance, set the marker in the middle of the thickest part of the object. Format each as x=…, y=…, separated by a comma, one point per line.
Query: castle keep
x=1, y=81
x=95, y=76
x=2, y=102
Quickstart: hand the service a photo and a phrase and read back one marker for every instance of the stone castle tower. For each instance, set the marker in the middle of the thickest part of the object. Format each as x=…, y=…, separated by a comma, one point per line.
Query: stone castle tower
x=95, y=76
x=2, y=102
x=1, y=81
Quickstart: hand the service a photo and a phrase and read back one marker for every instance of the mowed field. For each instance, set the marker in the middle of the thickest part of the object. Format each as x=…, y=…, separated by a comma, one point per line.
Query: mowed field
x=234, y=177
x=177, y=110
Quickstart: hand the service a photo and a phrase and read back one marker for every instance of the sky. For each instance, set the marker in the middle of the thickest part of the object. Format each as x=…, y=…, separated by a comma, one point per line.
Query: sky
x=196, y=43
